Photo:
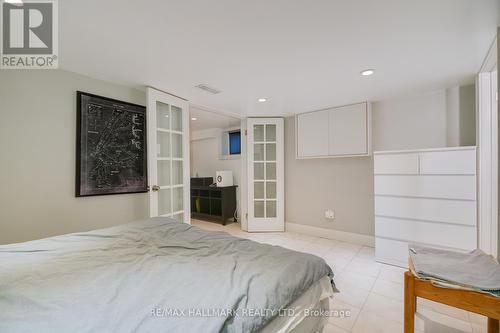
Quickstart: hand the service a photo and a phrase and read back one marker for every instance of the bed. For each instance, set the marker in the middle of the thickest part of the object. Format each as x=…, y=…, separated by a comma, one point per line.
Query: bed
x=159, y=275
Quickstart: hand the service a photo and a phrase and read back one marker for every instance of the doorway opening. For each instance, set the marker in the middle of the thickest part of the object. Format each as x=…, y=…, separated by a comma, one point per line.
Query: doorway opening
x=215, y=170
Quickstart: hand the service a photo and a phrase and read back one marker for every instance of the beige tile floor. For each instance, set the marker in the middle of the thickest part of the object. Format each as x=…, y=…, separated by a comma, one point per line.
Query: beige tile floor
x=372, y=292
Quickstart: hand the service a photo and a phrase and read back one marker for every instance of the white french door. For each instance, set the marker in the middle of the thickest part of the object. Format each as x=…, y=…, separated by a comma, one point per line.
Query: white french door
x=168, y=156
x=265, y=147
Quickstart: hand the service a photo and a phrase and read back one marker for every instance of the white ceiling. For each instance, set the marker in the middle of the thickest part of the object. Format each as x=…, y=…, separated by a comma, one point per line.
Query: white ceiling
x=300, y=54
x=208, y=119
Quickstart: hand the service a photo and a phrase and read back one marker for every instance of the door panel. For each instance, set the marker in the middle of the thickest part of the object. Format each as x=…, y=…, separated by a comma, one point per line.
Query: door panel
x=265, y=174
x=168, y=156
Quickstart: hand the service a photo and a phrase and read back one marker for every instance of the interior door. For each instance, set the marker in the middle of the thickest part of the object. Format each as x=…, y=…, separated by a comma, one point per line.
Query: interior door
x=168, y=156
x=265, y=148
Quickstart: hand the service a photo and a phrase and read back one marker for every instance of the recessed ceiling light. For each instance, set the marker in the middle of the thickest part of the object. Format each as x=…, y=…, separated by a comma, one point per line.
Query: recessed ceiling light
x=368, y=72
x=194, y=118
x=262, y=100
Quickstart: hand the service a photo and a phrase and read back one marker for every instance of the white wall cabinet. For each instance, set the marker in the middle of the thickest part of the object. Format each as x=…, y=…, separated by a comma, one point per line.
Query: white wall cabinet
x=425, y=197
x=336, y=132
x=312, y=129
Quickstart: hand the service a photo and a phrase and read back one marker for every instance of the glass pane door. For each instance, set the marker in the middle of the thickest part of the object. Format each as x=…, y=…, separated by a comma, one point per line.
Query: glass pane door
x=168, y=159
x=264, y=170
x=266, y=159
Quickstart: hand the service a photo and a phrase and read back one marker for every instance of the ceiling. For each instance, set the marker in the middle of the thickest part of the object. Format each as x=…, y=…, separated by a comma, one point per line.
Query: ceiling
x=301, y=55
x=206, y=119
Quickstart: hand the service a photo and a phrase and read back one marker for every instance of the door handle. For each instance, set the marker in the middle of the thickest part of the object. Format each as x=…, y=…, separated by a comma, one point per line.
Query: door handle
x=155, y=188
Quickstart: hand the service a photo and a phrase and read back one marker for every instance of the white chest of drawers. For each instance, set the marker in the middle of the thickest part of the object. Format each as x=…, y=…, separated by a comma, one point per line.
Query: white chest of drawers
x=425, y=197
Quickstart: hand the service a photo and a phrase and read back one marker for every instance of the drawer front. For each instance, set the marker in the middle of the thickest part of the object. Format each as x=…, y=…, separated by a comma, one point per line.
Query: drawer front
x=440, y=210
x=448, y=187
x=440, y=234
x=456, y=162
x=391, y=252
x=397, y=164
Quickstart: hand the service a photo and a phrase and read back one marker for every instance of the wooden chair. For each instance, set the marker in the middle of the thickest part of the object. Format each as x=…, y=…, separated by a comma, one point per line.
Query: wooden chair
x=482, y=304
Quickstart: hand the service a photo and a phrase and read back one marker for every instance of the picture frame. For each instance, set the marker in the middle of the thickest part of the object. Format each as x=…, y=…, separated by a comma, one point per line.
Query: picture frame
x=111, y=146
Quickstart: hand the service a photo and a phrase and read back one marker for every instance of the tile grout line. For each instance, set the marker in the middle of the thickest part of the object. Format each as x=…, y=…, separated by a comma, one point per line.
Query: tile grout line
x=366, y=299
x=355, y=320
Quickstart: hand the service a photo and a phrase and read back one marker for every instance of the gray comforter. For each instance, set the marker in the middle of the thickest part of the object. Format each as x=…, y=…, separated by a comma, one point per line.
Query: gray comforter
x=155, y=275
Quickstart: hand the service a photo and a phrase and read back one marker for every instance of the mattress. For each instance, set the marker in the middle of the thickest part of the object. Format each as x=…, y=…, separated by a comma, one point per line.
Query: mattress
x=151, y=275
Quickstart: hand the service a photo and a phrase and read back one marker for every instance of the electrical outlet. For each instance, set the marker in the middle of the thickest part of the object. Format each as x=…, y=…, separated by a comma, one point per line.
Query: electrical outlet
x=329, y=214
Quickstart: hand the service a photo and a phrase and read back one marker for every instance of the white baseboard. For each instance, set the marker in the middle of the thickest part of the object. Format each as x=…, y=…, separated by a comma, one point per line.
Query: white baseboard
x=331, y=234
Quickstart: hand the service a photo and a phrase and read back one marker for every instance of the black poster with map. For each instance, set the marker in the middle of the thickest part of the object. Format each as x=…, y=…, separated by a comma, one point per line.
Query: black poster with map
x=111, y=155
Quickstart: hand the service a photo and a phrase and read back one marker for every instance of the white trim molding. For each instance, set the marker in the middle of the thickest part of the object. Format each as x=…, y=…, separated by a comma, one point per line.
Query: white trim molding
x=487, y=141
x=343, y=236
x=244, y=177
x=487, y=161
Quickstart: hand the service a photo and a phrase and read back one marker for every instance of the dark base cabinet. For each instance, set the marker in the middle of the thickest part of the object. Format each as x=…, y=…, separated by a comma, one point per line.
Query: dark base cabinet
x=213, y=203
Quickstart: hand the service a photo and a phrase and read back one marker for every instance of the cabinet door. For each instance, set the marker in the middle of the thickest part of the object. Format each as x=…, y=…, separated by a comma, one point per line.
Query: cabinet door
x=348, y=130
x=312, y=134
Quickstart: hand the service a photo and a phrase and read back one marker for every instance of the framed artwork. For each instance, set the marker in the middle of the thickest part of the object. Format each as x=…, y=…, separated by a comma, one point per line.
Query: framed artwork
x=111, y=154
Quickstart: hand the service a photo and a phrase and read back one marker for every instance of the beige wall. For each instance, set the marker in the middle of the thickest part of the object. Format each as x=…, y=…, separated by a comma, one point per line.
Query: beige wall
x=346, y=184
x=461, y=116
x=205, y=160
x=453, y=116
x=467, y=113
x=314, y=185
x=37, y=169
x=411, y=122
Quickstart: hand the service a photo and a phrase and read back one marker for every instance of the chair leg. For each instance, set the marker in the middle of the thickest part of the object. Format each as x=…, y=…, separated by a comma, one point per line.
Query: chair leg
x=492, y=325
x=410, y=302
